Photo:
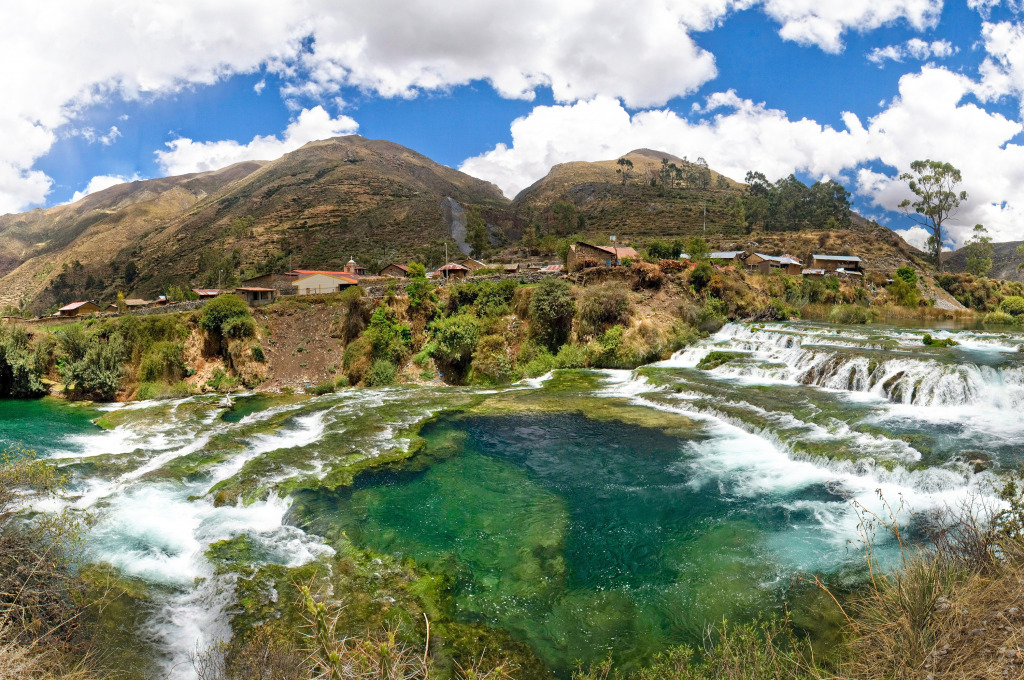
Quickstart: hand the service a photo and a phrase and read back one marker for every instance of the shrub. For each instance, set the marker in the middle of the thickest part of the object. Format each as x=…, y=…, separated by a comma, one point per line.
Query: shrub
x=904, y=293
x=495, y=297
x=389, y=339
x=603, y=306
x=851, y=314
x=21, y=369
x=492, y=361
x=453, y=343
x=239, y=327
x=220, y=310
x=535, y=360
x=163, y=362
x=701, y=275
x=998, y=319
x=1013, y=305
x=929, y=341
x=258, y=354
x=381, y=374
x=712, y=316
x=321, y=388
x=907, y=274
x=552, y=309
x=573, y=356
x=98, y=373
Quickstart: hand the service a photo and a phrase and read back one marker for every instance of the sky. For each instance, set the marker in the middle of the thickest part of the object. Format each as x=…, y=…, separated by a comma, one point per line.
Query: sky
x=106, y=91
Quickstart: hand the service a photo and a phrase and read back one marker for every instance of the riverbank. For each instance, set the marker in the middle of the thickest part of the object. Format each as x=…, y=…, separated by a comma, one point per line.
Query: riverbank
x=488, y=332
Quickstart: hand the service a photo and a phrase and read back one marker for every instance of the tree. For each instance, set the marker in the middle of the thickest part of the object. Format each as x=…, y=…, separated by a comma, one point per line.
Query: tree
x=131, y=272
x=552, y=309
x=625, y=167
x=934, y=183
x=979, y=252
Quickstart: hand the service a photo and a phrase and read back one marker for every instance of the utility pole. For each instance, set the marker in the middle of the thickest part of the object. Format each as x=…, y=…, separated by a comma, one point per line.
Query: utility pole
x=220, y=275
x=705, y=218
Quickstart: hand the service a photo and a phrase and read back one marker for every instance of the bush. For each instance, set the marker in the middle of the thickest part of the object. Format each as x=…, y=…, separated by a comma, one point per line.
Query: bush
x=98, y=373
x=904, y=293
x=552, y=309
x=389, y=339
x=851, y=314
x=998, y=319
x=322, y=388
x=603, y=306
x=258, y=354
x=21, y=369
x=1013, y=305
x=163, y=362
x=535, y=360
x=453, y=342
x=381, y=374
x=220, y=310
x=907, y=273
x=492, y=361
x=929, y=341
x=701, y=276
x=712, y=316
x=239, y=327
x=573, y=356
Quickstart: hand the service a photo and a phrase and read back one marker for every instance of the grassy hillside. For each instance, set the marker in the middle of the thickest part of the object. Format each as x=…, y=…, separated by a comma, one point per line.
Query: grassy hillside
x=315, y=207
x=606, y=202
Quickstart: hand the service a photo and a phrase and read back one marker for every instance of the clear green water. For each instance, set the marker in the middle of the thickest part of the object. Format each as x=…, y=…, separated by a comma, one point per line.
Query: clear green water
x=582, y=537
x=43, y=424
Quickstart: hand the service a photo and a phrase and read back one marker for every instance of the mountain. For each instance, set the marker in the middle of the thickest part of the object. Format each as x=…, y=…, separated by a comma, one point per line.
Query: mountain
x=645, y=193
x=1004, y=261
x=376, y=201
x=315, y=207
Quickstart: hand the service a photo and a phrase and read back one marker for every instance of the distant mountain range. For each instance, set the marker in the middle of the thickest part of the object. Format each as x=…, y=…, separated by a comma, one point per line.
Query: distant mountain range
x=334, y=199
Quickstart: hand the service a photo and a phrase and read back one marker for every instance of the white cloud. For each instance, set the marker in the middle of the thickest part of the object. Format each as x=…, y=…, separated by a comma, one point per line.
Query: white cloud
x=101, y=182
x=914, y=48
x=917, y=237
x=1003, y=70
x=185, y=156
x=740, y=136
x=812, y=22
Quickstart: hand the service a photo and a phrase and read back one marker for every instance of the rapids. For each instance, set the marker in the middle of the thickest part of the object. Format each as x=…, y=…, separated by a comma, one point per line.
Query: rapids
x=585, y=512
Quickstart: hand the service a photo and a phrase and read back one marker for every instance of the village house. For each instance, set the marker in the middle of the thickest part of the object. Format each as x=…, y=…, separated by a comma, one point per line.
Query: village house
x=208, y=293
x=849, y=264
x=137, y=303
x=471, y=264
x=765, y=263
x=510, y=268
x=255, y=296
x=552, y=269
x=453, y=271
x=285, y=283
x=728, y=256
x=355, y=269
x=111, y=309
x=311, y=282
x=607, y=256
x=79, y=309
x=398, y=271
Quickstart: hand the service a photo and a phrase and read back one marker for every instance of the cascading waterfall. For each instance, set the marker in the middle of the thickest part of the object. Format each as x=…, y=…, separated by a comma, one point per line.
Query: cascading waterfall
x=799, y=420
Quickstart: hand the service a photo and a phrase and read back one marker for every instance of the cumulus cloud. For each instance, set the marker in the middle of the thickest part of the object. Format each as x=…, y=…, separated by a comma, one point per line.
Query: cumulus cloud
x=185, y=155
x=101, y=182
x=740, y=135
x=812, y=22
x=932, y=117
x=915, y=48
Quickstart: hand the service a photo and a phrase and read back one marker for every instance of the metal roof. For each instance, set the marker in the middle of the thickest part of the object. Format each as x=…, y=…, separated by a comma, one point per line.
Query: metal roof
x=725, y=254
x=452, y=266
x=75, y=305
x=844, y=258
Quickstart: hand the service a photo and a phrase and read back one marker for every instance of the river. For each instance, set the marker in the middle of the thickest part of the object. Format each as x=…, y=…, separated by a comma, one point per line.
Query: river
x=585, y=512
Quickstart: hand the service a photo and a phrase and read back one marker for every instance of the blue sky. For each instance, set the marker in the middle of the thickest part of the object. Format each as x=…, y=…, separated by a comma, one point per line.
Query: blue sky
x=853, y=90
